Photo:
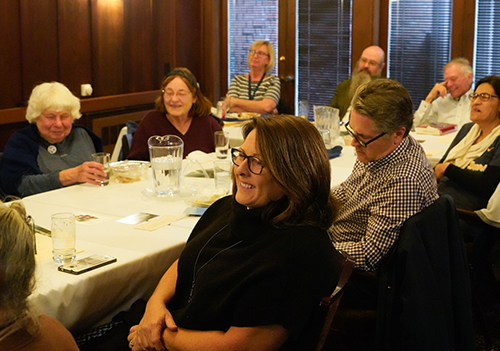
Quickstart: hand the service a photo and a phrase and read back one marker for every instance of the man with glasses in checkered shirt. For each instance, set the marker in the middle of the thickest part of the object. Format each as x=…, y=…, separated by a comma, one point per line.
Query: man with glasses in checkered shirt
x=391, y=181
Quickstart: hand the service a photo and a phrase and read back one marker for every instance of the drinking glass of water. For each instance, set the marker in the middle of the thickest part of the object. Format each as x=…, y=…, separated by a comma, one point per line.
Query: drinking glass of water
x=63, y=237
x=222, y=175
x=221, y=140
x=166, y=161
x=103, y=158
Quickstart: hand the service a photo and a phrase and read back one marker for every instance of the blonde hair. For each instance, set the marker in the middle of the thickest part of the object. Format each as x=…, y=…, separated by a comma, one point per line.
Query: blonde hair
x=272, y=53
x=52, y=96
x=17, y=257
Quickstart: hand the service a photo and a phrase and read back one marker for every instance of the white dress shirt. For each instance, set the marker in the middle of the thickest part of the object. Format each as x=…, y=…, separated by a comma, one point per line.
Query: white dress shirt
x=444, y=110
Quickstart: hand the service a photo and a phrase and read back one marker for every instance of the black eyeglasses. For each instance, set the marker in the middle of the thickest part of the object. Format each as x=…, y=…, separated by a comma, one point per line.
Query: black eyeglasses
x=254, y=164
x=482, y=96
x=362, y=143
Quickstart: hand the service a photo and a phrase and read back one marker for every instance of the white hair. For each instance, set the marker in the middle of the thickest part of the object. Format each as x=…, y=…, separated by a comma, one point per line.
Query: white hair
x=52, y=96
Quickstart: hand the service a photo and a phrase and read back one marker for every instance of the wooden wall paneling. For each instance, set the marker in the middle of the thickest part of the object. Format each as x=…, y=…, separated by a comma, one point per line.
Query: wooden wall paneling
x=10, y=55
x=365, y=26
x=165, y=37
x=75, y=58
x=107, y=46
x=286, y=48
x=463, y=29
x=384, y=27
x=189, y=37
x=39, y=43
x=224, y=64
x=139, y=52
x=212, y=24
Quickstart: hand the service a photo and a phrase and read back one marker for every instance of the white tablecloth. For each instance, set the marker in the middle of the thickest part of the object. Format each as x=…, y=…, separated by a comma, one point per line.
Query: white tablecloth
x=81, y=301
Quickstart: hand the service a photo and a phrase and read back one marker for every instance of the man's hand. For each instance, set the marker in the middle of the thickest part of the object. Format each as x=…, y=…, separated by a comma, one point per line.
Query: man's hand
x=439, y=90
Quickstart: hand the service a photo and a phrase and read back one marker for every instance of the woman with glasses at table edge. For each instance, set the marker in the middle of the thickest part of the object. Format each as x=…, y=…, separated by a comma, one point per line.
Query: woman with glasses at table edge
x=257, y=262
x=181, y=110
x=470, y=169
x=258, y=91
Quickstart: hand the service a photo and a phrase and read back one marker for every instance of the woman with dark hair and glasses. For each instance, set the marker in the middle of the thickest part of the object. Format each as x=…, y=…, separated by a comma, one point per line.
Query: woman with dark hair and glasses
x=258, y=91
x=470, y=169
x=181, y=110
x=258, y=262
x=20, y=328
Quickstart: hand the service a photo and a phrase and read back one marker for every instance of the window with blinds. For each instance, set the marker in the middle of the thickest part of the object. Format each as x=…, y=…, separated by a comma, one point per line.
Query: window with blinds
x=324, y=49
x=487, y=43
x=250, y=20
x=419, y=44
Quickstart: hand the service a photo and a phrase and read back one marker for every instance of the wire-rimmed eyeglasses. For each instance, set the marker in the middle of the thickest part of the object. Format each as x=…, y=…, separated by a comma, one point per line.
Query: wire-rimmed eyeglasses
x=258, y=53
x=254, y=164
x=361, y=142
x=482, y=96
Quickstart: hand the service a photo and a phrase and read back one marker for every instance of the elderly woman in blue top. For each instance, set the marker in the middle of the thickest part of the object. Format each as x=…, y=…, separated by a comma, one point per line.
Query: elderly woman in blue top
x=51, y=152
x=258, y=91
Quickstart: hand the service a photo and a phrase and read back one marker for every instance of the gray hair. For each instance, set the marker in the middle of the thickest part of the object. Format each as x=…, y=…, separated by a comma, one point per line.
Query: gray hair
x=272, y=53
x=464, y=64
x=17, y=258
x=387, y=103
x=52, y=96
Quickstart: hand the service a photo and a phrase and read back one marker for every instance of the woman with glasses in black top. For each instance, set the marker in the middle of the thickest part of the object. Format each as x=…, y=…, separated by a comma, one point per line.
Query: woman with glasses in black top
x=258, y=262
x=470, y=169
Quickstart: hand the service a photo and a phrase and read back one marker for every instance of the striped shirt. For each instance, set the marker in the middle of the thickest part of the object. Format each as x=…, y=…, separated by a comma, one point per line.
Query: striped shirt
x=270, y=88
x=377, y=198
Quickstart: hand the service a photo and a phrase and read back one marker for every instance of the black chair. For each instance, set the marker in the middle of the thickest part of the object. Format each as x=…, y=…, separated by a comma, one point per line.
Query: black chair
x=424, y=298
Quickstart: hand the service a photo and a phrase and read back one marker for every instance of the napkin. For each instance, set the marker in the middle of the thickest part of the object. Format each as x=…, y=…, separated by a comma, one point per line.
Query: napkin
x=335, y=151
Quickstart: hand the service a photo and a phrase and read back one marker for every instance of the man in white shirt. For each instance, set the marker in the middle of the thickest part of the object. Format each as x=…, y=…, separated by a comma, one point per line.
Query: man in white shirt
x=448, y=102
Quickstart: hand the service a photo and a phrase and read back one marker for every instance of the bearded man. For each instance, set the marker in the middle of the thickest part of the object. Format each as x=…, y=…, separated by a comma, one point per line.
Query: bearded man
x=369, y=67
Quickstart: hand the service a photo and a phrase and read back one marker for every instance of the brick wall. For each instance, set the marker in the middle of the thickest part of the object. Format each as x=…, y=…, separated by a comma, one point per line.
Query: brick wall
x=250, y=20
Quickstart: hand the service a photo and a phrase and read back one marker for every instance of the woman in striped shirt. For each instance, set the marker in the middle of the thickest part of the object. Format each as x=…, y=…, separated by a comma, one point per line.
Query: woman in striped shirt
x=257, y=91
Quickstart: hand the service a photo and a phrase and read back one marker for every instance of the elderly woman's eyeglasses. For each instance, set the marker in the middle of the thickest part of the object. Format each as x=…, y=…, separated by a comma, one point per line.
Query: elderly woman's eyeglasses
x=258, y=53
x=181, y=94
x=482, y=96
x=254, y=164
x=361, y=142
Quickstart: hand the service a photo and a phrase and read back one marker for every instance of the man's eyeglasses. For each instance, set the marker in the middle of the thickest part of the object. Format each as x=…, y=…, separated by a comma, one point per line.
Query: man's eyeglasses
x=254, y=164
x=369, y=62
x=362, y=143
x=482, y=96
x=258, y=53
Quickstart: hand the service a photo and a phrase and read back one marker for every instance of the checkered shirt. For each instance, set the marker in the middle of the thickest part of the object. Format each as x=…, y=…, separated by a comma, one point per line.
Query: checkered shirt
x=377, y=198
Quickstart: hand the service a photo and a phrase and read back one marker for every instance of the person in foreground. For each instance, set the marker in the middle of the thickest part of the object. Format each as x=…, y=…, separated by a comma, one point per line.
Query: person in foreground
x=369, y=67
x=181, y=110
x=19, y=329
x=258, y=91
x=391, y=180
x=470, y=169
x=51, y=152
x=448, y=102
x=258, y=262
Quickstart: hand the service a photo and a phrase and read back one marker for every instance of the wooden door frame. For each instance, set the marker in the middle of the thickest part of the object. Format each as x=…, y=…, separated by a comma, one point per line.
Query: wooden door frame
x=285, y=60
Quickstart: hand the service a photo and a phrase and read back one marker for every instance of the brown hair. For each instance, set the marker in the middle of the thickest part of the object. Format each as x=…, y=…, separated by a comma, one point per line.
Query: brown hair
x=387, y=103
x=293, y=151
x=202, y=105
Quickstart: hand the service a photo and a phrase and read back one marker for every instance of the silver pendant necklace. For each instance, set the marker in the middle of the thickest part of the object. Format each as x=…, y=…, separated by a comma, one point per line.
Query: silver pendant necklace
x=196, y=271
